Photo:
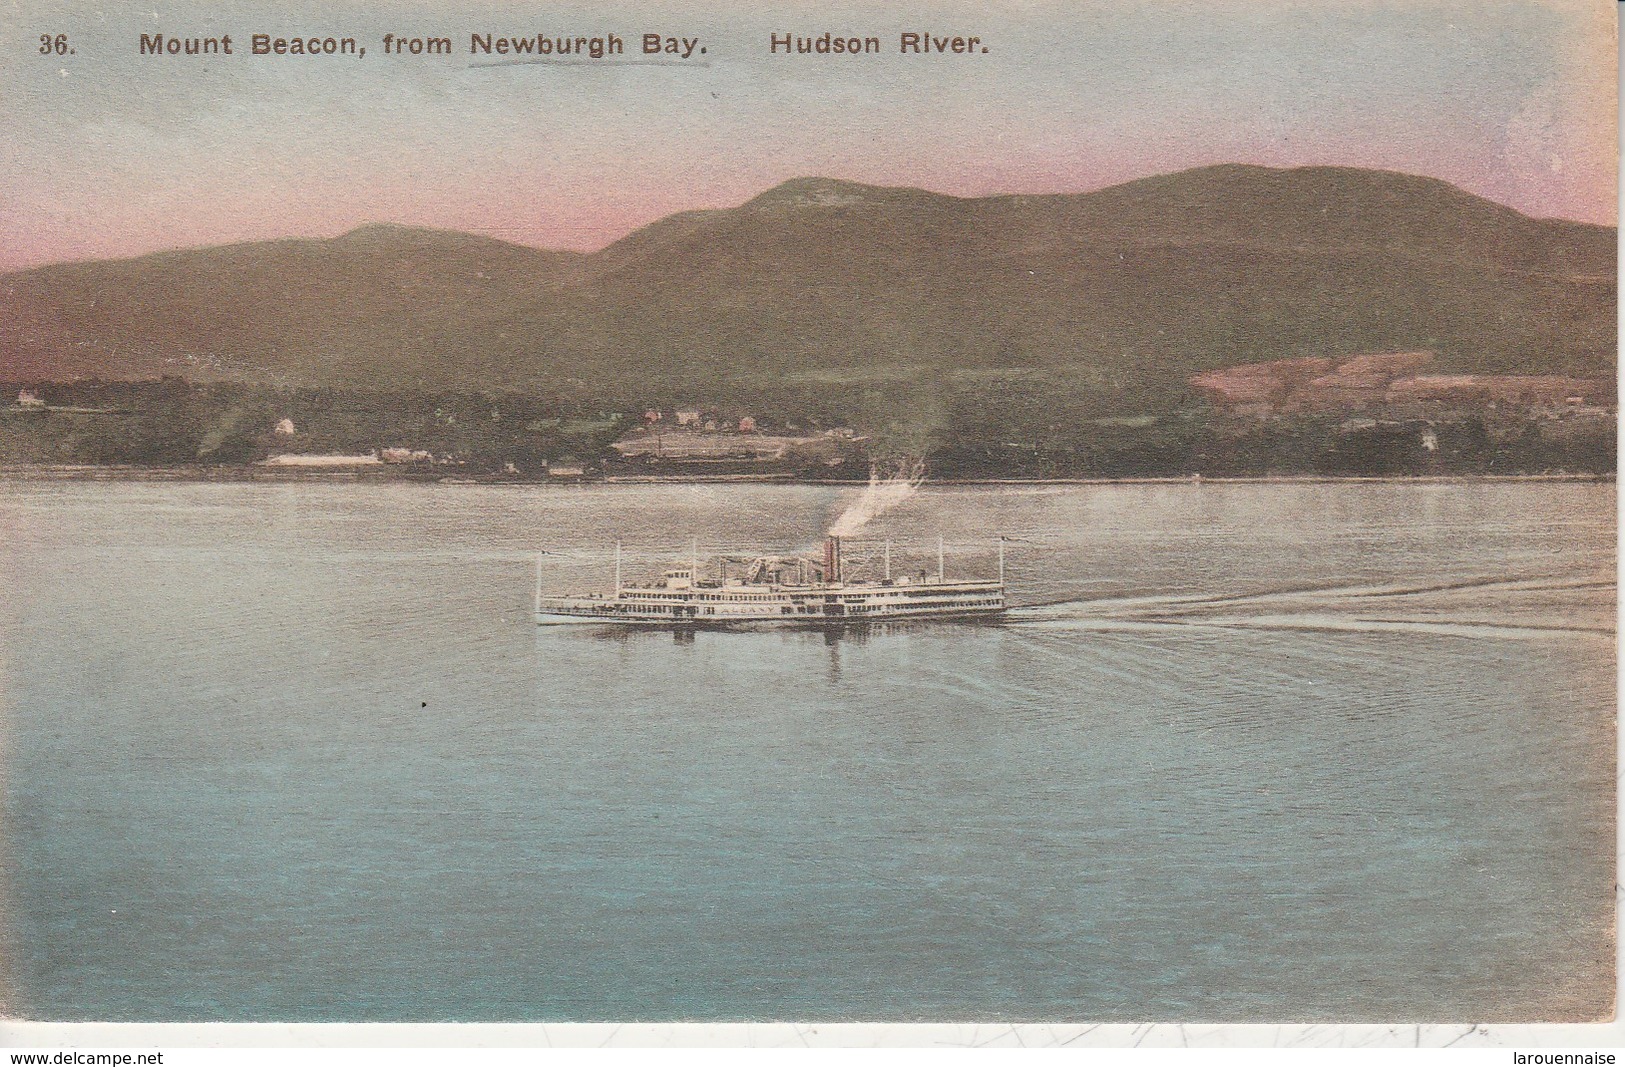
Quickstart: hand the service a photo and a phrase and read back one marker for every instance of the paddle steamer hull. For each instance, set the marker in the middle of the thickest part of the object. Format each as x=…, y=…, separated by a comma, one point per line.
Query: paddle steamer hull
x=780, y=591
x=822, y=604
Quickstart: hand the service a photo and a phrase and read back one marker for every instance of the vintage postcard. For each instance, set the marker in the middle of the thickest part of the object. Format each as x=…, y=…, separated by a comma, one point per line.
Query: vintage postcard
x=685, y=511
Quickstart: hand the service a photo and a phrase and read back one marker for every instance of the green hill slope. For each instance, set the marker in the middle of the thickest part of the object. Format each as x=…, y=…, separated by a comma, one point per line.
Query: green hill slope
x=1116, y=296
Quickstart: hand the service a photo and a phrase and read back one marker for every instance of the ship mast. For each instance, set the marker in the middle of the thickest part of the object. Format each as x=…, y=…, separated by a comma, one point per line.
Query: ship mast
x=888, y=559
x=537, y=603
x=617, y=567
x=939, y=559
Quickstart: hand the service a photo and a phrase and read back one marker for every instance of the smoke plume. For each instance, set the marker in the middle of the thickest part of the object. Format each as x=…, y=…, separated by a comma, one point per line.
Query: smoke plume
x=879, y=497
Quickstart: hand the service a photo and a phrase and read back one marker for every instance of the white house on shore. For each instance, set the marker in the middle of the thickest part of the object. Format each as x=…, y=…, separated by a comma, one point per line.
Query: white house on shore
x=320, y=460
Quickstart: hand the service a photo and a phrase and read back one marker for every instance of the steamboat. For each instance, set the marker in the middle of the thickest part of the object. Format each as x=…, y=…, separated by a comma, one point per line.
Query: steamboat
x=780, y=590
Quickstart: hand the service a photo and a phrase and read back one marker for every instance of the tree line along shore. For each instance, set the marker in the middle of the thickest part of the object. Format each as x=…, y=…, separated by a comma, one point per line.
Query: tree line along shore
x=962, y=434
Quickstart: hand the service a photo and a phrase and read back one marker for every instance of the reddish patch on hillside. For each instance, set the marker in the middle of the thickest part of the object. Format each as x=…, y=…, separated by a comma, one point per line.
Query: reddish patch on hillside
x=1376, y=381
x=1265, y=384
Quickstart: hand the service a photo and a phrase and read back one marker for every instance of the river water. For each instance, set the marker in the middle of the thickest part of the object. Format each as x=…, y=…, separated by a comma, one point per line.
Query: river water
x=1241, y=752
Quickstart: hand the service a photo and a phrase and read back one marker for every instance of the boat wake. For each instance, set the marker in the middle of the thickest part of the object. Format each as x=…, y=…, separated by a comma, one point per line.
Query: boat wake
x=1524, y=607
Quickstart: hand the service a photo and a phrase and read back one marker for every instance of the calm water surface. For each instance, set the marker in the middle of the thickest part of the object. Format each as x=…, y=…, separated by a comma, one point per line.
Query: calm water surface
x=1243, y=752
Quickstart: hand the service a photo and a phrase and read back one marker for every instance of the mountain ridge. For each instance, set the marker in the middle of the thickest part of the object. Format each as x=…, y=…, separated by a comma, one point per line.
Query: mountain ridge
x=1122, y=292
x=839, y=186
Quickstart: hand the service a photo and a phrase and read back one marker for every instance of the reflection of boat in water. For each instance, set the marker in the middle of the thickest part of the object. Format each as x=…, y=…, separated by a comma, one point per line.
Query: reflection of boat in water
x=780, y=590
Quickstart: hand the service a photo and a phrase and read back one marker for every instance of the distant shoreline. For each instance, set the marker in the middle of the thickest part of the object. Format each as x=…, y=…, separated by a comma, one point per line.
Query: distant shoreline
x=389, y=476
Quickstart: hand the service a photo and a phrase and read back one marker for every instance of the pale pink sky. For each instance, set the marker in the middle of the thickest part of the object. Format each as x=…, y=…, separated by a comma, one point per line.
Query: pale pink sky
x=108, y=153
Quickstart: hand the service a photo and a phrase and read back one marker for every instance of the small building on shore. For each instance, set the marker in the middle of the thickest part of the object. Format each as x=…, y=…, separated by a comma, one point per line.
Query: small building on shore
x=317, y=460
x=405, y=455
